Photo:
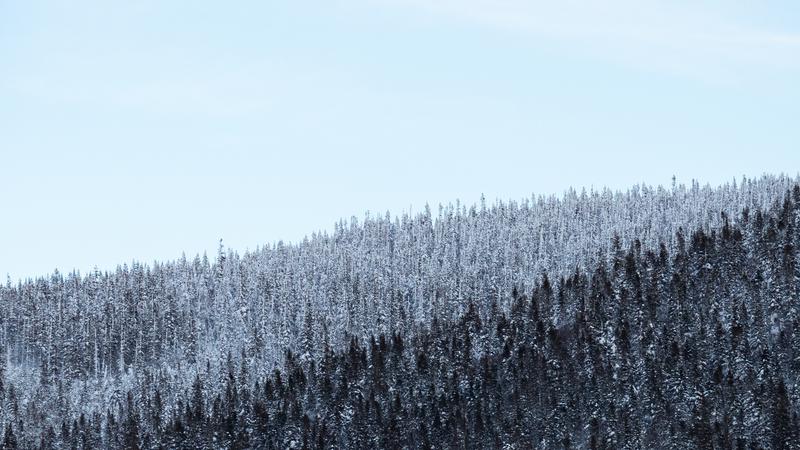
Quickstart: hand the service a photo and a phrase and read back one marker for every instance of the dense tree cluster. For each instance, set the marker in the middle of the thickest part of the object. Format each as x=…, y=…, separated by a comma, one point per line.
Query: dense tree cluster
x=680, y=330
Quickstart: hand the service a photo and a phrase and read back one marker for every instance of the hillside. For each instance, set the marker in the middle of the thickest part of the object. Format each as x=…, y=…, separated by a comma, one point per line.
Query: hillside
x=654, y=318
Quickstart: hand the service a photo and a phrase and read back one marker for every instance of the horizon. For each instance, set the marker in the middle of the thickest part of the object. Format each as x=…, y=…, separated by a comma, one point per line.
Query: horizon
x=410, y=212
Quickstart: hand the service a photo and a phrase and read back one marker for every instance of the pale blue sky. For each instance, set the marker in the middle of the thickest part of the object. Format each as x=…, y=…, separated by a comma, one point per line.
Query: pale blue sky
x=141, y=129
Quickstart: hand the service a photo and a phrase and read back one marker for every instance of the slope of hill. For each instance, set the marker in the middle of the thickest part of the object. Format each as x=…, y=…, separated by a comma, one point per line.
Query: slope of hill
x=655, y=318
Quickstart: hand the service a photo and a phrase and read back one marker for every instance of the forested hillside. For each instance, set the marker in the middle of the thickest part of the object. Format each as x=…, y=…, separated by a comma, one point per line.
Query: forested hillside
x=655, y=318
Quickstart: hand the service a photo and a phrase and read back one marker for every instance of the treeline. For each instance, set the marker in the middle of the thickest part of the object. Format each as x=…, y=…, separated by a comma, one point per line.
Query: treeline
x=380, y=275
x=695, y=345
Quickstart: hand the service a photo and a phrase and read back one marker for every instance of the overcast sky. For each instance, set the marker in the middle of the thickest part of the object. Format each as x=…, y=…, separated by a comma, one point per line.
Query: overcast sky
x=143, y=129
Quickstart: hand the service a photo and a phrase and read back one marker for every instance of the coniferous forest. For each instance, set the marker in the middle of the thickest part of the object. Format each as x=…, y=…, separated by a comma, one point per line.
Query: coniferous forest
x=659, y=317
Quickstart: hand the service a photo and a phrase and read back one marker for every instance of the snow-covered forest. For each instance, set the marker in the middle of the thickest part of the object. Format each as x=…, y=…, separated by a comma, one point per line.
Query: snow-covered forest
x=659, y=317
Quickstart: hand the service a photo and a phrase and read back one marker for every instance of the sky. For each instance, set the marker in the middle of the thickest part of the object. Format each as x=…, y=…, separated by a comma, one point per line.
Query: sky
x=142, y=129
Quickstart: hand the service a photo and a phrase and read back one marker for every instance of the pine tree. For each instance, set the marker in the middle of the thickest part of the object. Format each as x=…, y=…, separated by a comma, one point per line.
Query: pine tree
x=9, y=440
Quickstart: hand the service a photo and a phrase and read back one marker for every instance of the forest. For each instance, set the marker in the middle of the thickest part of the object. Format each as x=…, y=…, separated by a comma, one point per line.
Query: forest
x=651, y=318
